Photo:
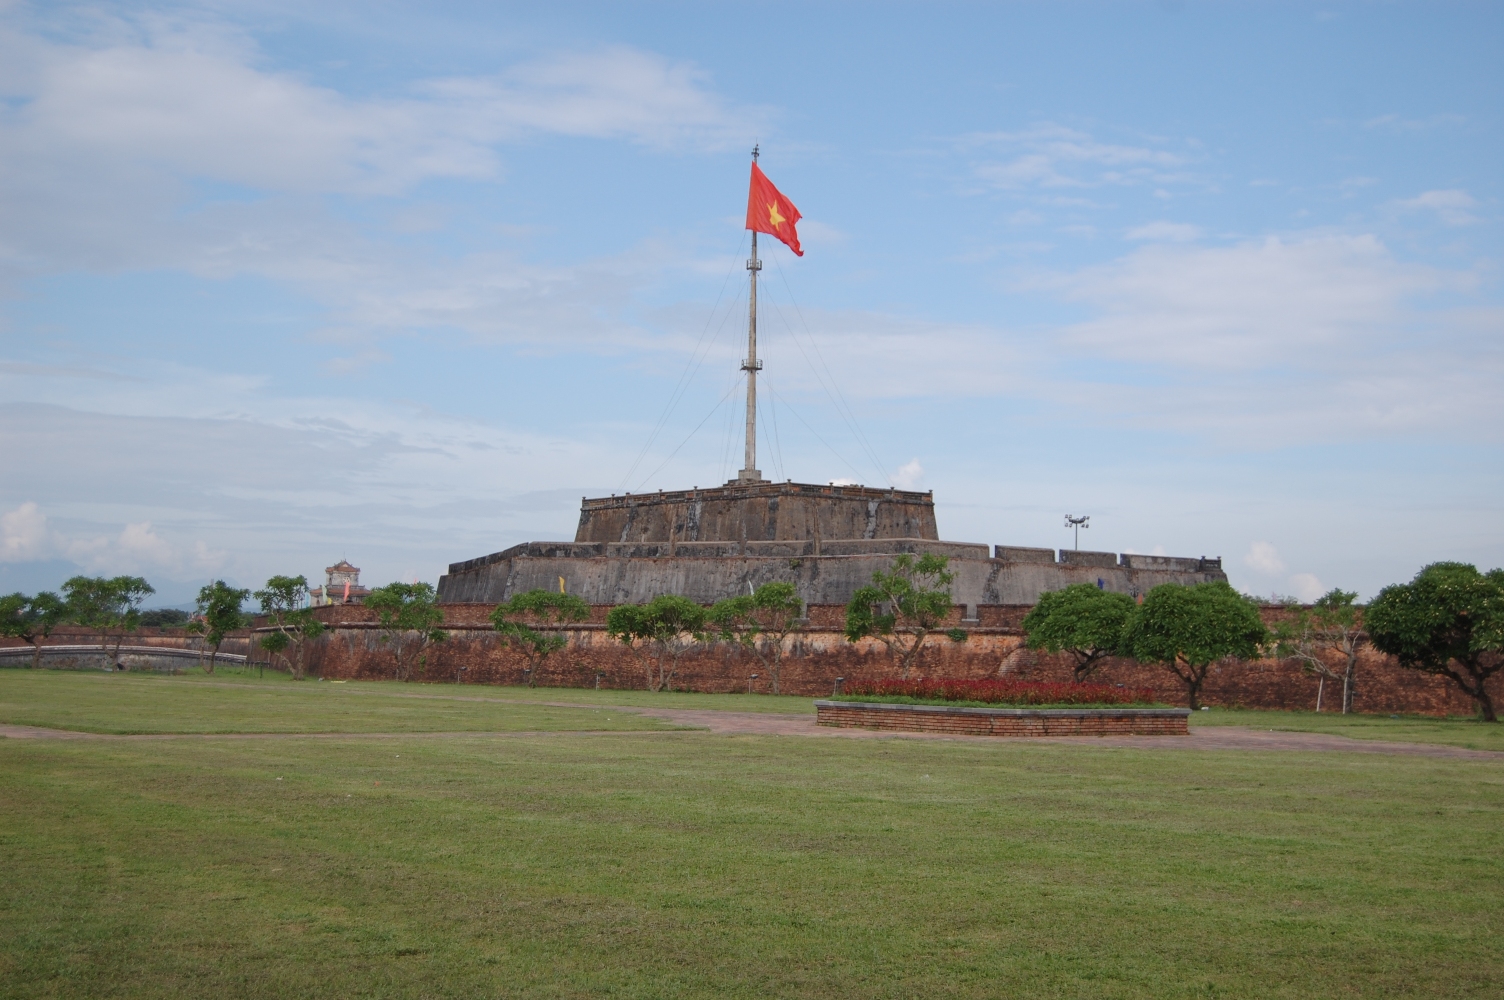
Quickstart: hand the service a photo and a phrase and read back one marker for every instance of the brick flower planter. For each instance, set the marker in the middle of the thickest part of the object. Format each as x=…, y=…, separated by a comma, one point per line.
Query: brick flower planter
x=1004, y=721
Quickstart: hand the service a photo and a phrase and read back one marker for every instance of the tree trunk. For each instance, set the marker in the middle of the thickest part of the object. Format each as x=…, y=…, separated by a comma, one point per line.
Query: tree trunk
x=1485, y=702
x=1347, y=684
x=36, y=654
x=911, y=654
x=1320, y=688
x=1193, y=679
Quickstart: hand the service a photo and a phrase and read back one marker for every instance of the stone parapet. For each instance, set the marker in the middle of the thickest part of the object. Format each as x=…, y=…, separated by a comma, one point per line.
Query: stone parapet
x=768, y=512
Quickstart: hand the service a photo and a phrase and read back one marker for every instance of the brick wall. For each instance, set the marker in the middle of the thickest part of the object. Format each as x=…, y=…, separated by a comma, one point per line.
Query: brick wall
x=995, y=722
x=475, y=654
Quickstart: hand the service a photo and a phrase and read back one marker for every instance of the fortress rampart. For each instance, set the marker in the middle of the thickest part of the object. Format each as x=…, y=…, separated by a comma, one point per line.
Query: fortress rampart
x=827, y=540
x=709, y=571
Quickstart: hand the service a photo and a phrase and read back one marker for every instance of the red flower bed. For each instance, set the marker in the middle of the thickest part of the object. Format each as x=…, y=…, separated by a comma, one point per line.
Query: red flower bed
x=995, y=692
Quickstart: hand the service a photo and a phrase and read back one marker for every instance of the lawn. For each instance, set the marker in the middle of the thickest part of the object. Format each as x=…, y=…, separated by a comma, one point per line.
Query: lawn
x=1406, y=729
x=100, y=702
x=686, y=864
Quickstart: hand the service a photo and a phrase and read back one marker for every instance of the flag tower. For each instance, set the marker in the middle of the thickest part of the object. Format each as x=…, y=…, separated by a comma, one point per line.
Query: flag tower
x=750, y=364
x=768, y=211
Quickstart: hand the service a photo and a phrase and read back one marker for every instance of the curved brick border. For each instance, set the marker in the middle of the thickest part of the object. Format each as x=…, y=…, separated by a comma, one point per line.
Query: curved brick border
x=1004, y=721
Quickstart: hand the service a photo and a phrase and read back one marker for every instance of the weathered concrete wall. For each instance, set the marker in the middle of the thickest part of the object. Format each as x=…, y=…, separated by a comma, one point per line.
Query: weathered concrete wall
x=615, y=574
x=161, y=649
x=758, y=512
x=813, y=661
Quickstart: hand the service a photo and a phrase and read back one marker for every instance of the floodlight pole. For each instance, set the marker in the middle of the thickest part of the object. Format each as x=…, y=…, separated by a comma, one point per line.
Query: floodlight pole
x=1077, y=523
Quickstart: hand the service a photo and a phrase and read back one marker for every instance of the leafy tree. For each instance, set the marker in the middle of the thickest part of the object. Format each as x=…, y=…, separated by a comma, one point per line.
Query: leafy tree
x=667, y=626
x=515, y=620
x=410, y=621
x=109, y=606
x=1329, y=628
x=1189, y=628
x=1448, y=621
x=282, y=602
x=761, y=621
x=904, y=606
x=164, y=618
x=1081, y=620
x=32, y=619
x=219, y=614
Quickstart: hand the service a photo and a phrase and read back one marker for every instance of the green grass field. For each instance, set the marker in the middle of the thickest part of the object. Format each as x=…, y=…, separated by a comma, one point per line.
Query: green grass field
x=239, y=702
x=684, y=864
x=1407, y=729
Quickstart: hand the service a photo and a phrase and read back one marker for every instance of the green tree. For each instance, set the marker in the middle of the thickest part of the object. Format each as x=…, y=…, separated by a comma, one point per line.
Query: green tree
x=1448, y=621
x=410, y=621
x=1187, y=629
x=1082, y=620
x=219, y=614
x=903, y=607
x=519, y=619
x=283, y=602
x=110, y=606
x=32, y=619
x=164, y=618
x=761, y=622
x=666, y=628
x=1330, y=628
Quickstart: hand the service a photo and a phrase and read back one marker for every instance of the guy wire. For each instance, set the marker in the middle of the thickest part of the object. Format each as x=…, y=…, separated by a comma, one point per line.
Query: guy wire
x=691, y=366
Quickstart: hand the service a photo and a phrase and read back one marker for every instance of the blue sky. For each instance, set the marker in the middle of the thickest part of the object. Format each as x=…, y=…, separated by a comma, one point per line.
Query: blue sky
x=401, y=283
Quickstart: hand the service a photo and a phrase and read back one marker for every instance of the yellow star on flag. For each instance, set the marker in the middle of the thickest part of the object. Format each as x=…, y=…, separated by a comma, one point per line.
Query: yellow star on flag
x=773, y=217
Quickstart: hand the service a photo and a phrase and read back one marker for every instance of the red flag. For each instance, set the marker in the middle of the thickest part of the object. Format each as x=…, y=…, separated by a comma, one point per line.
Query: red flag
x=768, y=211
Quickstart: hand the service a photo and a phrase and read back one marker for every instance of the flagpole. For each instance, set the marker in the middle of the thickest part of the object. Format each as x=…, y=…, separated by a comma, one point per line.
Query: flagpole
x=750, y=364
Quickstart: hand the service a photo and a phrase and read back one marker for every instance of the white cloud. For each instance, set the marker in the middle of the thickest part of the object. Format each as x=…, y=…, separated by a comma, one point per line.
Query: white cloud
x=193, y=103
x=274, y=483
x=1306, y=587
x=1166, y=232
x=883, y=356
x=1269, y=303
x=23, y=534
x=26, y=535
x=1264, y=558
x=615, y=92
x=173, y=147
x=1053, y=156
x=139, y=541
x=1317, y=338
x=1451, y=206
x=909, y=475
x=1398, y=123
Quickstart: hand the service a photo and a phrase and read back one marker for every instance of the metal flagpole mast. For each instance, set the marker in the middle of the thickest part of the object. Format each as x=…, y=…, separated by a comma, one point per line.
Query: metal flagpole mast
x=750, y=364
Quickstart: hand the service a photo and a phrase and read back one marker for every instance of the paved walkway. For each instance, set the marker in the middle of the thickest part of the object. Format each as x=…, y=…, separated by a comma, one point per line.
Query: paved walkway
x=769, y=724
x=1201, y=738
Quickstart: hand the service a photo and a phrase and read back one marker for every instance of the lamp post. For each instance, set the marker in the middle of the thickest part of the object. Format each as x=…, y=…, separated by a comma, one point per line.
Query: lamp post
x=1077, y=523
